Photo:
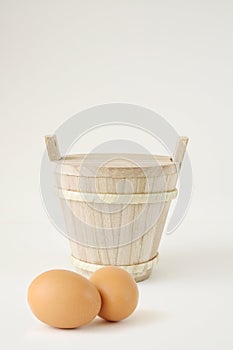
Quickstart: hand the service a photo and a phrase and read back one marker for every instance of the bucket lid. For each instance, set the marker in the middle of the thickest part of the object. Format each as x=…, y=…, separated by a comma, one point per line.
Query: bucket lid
x=122, y=165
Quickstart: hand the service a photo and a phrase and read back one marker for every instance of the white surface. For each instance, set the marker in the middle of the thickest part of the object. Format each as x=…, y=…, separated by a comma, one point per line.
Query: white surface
x=175, y=57
x=187, y=303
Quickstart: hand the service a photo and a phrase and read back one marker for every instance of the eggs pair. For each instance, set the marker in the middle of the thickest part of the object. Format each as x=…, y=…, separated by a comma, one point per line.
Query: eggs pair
x=65, y=299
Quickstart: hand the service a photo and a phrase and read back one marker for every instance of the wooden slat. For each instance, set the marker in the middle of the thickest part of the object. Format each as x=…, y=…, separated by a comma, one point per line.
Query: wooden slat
x=109, y=233
x=180, y=150
x=52, y=147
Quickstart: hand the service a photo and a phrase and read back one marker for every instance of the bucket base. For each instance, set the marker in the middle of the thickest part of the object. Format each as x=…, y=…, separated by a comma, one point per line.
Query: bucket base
x=139, y=272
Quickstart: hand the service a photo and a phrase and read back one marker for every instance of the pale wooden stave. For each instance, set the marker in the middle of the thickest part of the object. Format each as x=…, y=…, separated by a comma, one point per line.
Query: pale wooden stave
x=116, y=185
x=138, y=251
x=105, y=179
x=139, y=271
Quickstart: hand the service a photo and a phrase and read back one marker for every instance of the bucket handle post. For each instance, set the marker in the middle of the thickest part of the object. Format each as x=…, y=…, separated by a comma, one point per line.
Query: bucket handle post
x=180, y=149
x=52, y=147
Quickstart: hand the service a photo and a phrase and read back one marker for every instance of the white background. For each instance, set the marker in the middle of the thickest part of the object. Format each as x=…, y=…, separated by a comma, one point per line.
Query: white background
x=175, y=57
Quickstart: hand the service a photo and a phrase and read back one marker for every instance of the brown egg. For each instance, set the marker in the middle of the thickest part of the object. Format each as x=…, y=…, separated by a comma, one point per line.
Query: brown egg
x=63, y=299
x=118, y=290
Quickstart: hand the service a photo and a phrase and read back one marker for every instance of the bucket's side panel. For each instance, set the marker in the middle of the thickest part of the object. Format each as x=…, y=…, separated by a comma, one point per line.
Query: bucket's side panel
x=73, y=231
x=146, y=247
x=172, y=181
x=140, y=250
x=113, y=185
x=92, y=226
x=158, y=229
x=152, y=240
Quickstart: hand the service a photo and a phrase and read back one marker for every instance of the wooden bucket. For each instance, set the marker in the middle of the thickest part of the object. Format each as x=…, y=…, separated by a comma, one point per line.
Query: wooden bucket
x=115, y=206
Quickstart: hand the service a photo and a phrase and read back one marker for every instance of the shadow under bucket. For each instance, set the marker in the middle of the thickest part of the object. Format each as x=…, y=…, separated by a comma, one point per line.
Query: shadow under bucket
x=115, y=206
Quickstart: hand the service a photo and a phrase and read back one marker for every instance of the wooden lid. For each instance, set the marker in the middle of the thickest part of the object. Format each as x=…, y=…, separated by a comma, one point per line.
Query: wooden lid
x=122, y=165
x=116, y=164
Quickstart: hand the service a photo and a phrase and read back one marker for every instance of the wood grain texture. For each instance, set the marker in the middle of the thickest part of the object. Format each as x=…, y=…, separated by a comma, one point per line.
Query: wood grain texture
x=179, y=153
x=52, y=147
x=139, y=271
x=103, y=227
x=123, y=234
x=116, y=198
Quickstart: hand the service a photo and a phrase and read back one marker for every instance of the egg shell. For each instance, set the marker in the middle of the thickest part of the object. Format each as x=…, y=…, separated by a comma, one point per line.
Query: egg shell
x=63, y=299
x=118, y=290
